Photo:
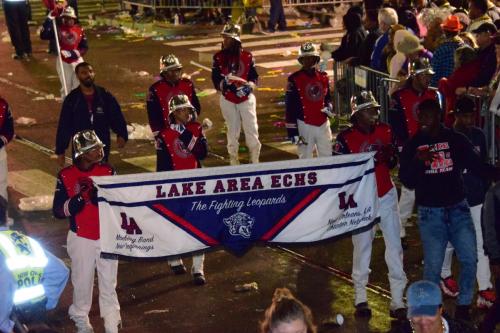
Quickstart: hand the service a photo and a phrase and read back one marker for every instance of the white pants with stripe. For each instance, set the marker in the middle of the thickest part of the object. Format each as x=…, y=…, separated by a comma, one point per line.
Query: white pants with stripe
x=85, y=257
x=483, y=274
x=3, y=173
x=316, y=137
x=362, y=243
x=238, y=116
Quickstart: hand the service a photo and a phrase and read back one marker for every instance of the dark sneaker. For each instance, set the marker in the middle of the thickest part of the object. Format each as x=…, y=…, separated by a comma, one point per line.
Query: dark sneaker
x=363, y=310
x=179, y=269
x=399, y=314
x=462, y=312
x=449, y=286
x=17, y=56
x=199, y=279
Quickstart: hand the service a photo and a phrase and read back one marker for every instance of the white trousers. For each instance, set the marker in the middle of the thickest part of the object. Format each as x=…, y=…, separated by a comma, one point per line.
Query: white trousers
x=483, y=274
x=237, y=116
x=406, y=204
x=316, y=137
x=3, y=173
x=197, y=266
x=362, y=242
x=69, y=74
x=85, y=258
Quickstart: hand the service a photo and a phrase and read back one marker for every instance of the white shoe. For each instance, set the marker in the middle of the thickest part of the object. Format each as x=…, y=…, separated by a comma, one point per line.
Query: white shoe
x=82, y=325
x=112, y=323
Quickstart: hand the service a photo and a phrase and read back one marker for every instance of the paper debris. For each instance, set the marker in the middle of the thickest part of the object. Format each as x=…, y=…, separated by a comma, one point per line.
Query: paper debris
x=42, y=202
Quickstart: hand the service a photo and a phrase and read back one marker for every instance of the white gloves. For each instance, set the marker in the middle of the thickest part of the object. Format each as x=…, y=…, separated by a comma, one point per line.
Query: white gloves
x=328, y=111
x=65, y=53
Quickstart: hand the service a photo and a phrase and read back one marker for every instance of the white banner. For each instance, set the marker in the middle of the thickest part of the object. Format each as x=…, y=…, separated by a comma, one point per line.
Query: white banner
x=299, y=201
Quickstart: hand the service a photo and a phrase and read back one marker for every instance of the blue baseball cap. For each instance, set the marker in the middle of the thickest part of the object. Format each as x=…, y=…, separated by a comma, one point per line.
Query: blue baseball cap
x=424, y=298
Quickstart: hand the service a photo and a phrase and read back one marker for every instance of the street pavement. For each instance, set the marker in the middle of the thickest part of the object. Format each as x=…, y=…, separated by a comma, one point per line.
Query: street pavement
x=151, y=297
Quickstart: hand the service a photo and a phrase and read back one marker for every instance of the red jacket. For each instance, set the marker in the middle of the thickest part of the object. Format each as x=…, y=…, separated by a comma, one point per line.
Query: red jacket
x=73, y=199
x=461, y=77
x=352, y=141
x=6, y=123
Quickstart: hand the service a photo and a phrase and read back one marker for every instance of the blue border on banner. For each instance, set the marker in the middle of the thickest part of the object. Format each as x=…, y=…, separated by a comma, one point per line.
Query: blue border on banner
x=150, y=202
x=236, y=174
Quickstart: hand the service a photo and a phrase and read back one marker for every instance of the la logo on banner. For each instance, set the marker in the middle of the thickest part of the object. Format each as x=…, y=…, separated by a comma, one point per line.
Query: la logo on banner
x=129, y=225
x=346, y=204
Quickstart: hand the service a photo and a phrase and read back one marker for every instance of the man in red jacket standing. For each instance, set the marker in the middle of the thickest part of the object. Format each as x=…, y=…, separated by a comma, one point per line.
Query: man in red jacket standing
x=368, y=134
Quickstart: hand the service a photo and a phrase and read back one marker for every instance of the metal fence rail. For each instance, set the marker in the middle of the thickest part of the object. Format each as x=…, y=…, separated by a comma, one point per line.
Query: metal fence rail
x=195, y=4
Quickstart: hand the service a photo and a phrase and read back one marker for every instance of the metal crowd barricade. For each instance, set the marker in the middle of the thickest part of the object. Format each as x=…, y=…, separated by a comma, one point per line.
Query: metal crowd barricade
x=350, y=80
x=191, y=4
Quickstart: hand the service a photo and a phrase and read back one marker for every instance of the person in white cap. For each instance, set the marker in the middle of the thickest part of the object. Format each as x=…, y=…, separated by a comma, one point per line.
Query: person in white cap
x=235, y=76
x=308, y=106
x=73, y=45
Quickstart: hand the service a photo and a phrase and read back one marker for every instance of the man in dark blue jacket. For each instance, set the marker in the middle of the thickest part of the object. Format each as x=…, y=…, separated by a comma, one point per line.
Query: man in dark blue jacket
x=89, y=107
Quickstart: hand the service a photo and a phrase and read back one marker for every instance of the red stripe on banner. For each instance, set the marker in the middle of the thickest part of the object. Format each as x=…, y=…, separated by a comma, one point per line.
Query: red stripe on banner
x=288, y=217
x=206, y=238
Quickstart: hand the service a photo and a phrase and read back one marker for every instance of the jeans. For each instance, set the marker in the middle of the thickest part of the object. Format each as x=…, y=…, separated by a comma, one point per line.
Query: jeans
x=440, y=225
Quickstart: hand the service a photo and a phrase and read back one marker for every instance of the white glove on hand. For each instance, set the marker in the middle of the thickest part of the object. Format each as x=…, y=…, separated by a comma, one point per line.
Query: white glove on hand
x=244, y=91
x=328, y=111
x=65, y=53
x=207, y=124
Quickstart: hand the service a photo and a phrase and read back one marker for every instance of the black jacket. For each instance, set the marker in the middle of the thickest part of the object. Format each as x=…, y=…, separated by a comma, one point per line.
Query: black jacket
x=440, y=183
x=350, y=45
x=75, y=117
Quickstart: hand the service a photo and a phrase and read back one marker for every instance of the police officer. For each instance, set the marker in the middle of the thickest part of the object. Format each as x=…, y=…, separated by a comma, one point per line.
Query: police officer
x=308, y=105
x=368, y=134
x=182, y=145
x=16, y=17
x=404, y=122
x=89, y=107
x=161, y=92
x=235, y=76
x=76, y=199
x=29, y=275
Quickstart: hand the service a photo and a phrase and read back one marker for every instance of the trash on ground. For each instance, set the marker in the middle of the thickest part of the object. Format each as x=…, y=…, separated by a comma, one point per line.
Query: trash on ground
x=156, y=311
x=25, y=121
x=246, y=287
x=139, y=132
x=37, y=203
x=143, y=73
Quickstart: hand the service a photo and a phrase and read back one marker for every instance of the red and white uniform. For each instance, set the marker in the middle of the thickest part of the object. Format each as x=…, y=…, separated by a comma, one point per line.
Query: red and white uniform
x=73, y=200
x=73, y=44
x=308, y=92
x=182, y=148
x=237, y=111
x=6, y=135
x=159, y=96
x=352, y=141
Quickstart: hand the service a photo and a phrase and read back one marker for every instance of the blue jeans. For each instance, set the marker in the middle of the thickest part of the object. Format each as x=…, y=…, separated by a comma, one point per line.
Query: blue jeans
x=438, y=225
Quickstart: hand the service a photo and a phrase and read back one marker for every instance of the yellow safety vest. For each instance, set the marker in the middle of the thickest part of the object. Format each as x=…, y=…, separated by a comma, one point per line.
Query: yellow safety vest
x=25, y=258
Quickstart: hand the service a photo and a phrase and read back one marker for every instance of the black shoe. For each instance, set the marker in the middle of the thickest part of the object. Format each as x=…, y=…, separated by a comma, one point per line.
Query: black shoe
x=399, y=314
x=199, y=279
x=462, y=312
x=404, y=243
x=179, y=269
x=17, y=56
x=363, y=310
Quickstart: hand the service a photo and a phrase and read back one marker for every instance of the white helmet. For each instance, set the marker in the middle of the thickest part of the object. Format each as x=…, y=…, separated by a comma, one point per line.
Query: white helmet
x=85, y=141
x=68, y=12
